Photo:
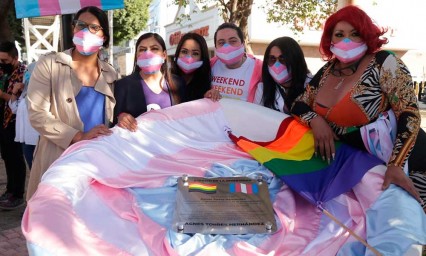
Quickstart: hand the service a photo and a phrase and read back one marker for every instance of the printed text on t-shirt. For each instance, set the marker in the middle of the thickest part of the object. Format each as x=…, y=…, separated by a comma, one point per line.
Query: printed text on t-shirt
x=228, y=81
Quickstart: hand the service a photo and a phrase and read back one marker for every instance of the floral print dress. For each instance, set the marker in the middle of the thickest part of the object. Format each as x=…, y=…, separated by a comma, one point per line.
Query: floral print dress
x=385, y=84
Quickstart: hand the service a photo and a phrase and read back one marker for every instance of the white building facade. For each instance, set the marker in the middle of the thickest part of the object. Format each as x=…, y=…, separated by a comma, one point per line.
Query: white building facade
x=166, y=20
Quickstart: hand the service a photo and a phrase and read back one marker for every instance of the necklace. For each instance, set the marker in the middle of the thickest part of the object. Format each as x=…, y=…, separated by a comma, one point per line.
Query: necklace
x=346, y=71
x=339, y=84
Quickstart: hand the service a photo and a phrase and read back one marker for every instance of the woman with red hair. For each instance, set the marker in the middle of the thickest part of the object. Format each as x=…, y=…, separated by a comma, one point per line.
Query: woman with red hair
x=359, y=87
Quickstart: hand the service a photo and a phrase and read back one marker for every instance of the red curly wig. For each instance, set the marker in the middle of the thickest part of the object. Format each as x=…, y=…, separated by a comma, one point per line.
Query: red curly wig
x=370, y=33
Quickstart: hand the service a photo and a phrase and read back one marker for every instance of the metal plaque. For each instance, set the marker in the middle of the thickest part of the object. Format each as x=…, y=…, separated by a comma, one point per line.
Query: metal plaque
x=226, y=205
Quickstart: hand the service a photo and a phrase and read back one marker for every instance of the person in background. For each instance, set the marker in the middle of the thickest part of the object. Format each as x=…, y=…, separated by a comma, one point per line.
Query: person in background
x=420, y=90
x=11, y=151
x=235, y=74
x=70, y=95
x=358, y=86
x=150, y=86
x=192, y=63
x=284, y=75
x=25, y=133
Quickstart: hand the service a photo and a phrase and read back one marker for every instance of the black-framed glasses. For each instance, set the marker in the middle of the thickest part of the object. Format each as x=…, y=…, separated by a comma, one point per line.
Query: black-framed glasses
x=80, y=25
x=272, y=59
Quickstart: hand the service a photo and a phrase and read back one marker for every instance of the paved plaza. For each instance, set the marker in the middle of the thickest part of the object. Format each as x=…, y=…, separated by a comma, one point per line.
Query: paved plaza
x=12, y=242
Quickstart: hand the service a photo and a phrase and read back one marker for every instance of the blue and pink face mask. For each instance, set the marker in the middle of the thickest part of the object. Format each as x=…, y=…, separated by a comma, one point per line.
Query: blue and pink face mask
x=188, y=64
x=279, y=72
x=149, y=62
x=87, y=43
x=347, y=51
x=230, y=54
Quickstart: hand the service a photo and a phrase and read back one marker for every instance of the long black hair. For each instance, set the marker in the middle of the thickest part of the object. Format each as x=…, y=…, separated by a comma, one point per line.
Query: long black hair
x=164, y=67
x=296, y=64
x=202, y=77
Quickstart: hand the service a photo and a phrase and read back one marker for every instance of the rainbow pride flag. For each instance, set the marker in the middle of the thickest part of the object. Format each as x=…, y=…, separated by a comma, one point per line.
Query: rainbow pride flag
x=37, y=8
x=291, y=157
x=202, y=187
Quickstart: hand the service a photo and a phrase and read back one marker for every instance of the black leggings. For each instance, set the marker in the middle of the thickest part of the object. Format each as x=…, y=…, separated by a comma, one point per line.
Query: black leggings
x=11, y=152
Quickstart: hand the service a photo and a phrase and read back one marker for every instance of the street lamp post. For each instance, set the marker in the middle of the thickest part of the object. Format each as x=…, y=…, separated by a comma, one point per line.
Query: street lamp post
x=111, y=32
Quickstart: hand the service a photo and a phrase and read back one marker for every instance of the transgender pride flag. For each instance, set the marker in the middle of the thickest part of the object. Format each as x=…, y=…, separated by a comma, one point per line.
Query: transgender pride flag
x=243, y=188
x=37, y=8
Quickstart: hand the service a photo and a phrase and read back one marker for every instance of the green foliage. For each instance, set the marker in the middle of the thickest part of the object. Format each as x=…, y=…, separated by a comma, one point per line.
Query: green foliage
x=300, y=14
x=128, y=22
x=10, y=27
x=297, y=14
x=16, y=26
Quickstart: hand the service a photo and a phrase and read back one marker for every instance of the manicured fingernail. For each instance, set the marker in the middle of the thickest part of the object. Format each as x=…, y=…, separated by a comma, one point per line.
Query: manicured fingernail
x=333, y=156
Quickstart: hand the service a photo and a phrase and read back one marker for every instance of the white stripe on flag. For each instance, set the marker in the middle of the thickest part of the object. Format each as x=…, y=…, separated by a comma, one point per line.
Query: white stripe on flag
x=243, y=188
x=68, y=6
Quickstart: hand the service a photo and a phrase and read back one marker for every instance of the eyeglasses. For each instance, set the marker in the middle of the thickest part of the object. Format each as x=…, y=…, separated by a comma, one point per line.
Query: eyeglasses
x=80, y=25
x=272, y=59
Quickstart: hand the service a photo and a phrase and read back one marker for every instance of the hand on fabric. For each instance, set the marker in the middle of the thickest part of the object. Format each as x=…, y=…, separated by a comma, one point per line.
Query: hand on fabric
x=213, y=94
x=17, y=87
x=95, y=132
x=395, y=175
x=127, y=121
x=323, y=138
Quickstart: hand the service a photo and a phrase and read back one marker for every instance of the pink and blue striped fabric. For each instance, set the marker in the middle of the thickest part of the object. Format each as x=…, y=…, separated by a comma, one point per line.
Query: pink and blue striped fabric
x=37, y=8
x=115, y=195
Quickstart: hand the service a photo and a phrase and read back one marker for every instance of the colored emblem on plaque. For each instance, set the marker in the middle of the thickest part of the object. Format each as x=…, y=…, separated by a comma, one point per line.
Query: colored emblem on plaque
x=243, y=188
x=202, y=187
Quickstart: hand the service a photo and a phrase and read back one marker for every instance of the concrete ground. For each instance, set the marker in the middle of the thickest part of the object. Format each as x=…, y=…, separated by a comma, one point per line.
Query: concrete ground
x=12, y=242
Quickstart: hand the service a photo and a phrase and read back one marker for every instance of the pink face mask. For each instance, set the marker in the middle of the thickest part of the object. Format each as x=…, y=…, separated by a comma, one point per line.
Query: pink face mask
x=149, y=62
x=188, y=64
x=229, y=54
x=279, y=72
x=86, y=42
x=347, y=51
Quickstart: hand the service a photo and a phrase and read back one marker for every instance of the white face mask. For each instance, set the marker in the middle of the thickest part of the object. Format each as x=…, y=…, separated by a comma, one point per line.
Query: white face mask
x=229, y=54
x=149, y=62
x=347, y=51
x=86, y=42
x=279, y=72
x=188, y=64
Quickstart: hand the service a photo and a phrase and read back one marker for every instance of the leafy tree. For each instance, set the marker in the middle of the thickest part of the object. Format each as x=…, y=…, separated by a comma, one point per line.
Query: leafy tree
x=300, y=14
x=297, y=14
x=10, y=27
x=129, y=21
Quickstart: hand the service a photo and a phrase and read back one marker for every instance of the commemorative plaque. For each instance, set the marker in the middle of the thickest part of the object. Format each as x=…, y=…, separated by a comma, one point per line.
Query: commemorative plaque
x=226, y=205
